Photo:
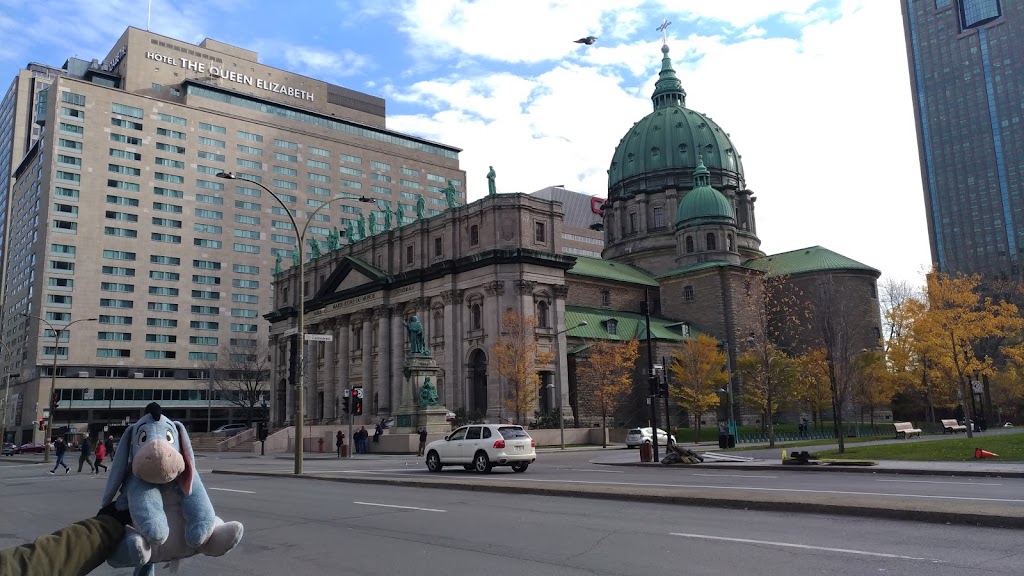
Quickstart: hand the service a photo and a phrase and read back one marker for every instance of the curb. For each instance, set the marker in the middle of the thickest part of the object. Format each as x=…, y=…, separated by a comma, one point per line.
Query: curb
x=826, y=469
x=891, y=512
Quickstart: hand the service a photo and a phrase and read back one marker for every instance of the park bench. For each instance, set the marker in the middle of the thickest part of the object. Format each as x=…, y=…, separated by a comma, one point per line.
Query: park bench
x=906, y=429
x=952, y=426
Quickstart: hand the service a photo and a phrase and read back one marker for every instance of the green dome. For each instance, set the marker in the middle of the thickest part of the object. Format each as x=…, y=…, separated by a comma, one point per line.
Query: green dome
x=704, y=204
x=672, y=137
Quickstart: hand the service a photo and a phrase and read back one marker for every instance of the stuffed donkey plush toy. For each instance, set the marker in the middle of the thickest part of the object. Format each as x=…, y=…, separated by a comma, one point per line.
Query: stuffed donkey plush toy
x=172, y=517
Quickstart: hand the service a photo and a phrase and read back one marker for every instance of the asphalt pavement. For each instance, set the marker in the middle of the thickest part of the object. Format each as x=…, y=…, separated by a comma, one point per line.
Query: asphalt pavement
x=299, y=527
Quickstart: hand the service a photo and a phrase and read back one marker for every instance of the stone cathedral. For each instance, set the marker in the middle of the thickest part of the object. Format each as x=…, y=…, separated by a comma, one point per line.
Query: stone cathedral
x=679, y=231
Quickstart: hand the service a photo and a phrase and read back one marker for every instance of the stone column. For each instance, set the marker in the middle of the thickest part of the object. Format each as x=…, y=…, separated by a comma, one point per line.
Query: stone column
x=641, y=208
x=344, y=356
x=331, y=408
x=561, y=352
x=367, y=363
x=383, y=385
x=671, y=203
x=313, y=380
x=493, y=310
x=397, y=359
x=289, y=415
x=456, y=392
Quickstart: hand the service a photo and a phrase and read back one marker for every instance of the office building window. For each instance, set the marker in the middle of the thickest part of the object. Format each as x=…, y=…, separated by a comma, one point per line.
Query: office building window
x=974, y=13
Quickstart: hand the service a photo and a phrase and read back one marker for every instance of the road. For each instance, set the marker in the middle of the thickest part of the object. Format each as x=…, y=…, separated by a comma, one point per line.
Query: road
x=305, y=527
x=729, y=480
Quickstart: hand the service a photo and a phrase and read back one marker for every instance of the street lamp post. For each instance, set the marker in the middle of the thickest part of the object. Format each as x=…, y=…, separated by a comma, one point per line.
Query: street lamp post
x=53, y=372
x=731, y=424
x=301, y=330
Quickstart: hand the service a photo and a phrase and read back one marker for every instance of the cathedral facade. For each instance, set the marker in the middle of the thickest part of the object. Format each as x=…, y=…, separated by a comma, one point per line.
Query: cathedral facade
x=680, y=233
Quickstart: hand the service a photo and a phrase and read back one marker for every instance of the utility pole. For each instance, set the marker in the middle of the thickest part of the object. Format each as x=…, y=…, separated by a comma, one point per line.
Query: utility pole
x=652, y=380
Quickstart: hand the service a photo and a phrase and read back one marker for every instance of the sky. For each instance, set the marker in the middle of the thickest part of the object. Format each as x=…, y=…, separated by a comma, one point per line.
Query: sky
x=815, y=94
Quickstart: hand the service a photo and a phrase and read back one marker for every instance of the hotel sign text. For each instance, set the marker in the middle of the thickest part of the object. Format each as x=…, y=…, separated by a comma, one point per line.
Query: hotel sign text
x=231, y=75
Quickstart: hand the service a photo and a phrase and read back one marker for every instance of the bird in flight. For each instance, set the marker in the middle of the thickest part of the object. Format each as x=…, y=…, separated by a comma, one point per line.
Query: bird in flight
x=588, y=40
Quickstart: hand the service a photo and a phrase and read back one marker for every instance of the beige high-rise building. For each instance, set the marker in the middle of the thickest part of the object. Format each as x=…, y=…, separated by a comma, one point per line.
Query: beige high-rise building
x=113, y=210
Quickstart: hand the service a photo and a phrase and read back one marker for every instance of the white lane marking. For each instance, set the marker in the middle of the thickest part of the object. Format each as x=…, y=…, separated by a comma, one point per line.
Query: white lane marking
x=937, y=482
x=400, y=507
x=761, y=489
x=804, y=547
x=594, y=470
x=736, y=475
x=230, y=490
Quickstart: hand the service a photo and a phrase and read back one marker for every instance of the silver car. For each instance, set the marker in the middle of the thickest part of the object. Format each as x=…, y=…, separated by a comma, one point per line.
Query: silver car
x=637, y=436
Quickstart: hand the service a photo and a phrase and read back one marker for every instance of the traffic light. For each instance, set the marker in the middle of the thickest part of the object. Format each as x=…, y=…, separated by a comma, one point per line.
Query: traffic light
x=54, y=400
x=653, y=386
x=663, y=387
x=42, y=424
x=357, y=401
x=346, y=400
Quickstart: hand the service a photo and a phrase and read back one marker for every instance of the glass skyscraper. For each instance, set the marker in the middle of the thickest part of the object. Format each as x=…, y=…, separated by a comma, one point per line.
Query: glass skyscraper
x=967, y=76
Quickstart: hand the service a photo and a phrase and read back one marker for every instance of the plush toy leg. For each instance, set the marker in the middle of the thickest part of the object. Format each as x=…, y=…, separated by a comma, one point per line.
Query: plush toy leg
x=147, y=570
x=226, y=535
x=133, y=550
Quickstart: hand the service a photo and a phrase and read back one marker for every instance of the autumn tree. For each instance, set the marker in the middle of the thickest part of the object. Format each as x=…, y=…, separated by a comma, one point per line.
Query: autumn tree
x=769, y=383
x=241, y=374
x=812, y=389
x=606, y=375
x=844, y=332
x=956, y=322
x=873, y=383
x=777, y=316
x=517, y=359
x=698, y=370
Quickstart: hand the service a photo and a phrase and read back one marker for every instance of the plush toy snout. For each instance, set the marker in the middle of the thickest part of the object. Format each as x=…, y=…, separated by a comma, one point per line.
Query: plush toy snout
x=158, y=462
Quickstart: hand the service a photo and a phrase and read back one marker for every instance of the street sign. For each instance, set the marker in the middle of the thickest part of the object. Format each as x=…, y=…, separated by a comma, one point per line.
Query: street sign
x=319, y=338
x=976, y=387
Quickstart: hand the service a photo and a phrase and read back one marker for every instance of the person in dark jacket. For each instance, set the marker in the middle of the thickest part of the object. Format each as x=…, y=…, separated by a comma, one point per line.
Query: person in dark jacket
x=86, y=455
x=423, y=441
x=59, y=448
x=339, y=442
x=109, y=444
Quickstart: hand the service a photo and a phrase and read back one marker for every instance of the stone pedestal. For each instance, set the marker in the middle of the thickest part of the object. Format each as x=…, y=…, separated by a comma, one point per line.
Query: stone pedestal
x=410, y=416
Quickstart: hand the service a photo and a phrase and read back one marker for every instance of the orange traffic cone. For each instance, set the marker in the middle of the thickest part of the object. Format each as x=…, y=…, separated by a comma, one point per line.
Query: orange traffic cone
x=979, y=453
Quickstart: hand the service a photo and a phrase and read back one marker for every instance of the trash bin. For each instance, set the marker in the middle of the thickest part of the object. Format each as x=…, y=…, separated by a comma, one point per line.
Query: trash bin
x=723, y=441
x=732, y=441
x=646, y=452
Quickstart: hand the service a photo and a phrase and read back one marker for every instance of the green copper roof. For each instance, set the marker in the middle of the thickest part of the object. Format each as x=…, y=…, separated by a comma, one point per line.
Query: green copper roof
x=672, y=136
x=628, y=325
x=668, y=90
x=694, y=268
x=704, y=204
x=608, y=270
x=805, y=260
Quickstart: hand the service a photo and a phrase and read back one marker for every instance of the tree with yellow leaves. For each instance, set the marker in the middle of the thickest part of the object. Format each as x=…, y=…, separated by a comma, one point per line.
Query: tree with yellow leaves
x=517, y=359
x=873, y=383
x=769, y=383
x=812, y=388
x=607, y=376
x=958, y=319
x=698, y=370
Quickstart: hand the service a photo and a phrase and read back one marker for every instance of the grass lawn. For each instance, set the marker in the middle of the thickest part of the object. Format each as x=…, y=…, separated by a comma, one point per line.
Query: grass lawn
x=1010, y=448
x=799, y=443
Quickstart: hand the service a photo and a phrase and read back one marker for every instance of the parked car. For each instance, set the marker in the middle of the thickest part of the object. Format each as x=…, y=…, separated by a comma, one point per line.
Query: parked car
x=480, y=447
x=31, y=448
x=10, y=449
x=230, y=430
x=638, y=436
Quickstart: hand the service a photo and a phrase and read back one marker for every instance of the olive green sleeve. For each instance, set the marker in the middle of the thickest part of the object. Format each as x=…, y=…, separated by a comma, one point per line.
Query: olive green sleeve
x=71, y=551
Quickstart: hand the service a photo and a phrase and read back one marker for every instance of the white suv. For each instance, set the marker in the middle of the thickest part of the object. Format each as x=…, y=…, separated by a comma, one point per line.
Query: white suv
x=482, y=446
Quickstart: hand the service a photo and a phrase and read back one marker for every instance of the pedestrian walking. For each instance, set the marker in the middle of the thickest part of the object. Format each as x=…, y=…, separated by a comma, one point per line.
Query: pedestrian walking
x=339, y=442
x=86, y=455
x=59, y=448
x=423, y=441
x=109, y=445
x=101, y=452
x=361, y=446
x=377, y=433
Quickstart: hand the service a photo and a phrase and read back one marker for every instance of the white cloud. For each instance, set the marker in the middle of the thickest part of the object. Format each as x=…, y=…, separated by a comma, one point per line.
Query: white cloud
x=824, y=123
x=321, y=63
x=754, y=31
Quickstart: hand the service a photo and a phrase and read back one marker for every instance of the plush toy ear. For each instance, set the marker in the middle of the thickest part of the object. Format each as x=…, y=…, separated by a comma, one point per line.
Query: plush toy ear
x=119, y=466
x=185, y=447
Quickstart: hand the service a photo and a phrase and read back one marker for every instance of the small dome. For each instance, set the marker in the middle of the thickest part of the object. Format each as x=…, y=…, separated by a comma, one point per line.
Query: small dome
x=704, y=204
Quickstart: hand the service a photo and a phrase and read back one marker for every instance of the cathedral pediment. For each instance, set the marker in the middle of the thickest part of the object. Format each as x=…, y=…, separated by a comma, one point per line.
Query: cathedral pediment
x=351, y=273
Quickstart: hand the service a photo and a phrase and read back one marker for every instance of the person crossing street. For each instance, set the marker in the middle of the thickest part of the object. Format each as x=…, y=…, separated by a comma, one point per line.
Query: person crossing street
x=101, y=453
x=59, y=448
x=86, y=456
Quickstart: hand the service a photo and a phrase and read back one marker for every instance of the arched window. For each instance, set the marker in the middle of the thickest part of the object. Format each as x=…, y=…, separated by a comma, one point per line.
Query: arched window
x=437, y=326
x=474, y=235
x=689, y=244
x=542, y=314
x=712, y=244
x=475, y=316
